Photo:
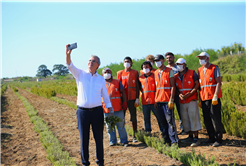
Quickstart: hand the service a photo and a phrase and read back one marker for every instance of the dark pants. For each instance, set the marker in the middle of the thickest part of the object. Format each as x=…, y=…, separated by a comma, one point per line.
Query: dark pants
x=95, y=118
x=168, y=122
x=212, y=120
x=132, y=109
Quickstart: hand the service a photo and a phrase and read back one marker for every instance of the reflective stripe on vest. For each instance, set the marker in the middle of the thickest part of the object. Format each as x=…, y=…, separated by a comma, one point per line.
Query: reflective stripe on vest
x=164, y=88
x=115, y=97
x=208, y=85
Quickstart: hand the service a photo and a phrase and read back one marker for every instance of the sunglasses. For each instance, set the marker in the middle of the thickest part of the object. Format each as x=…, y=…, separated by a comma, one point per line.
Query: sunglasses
x=92, y=61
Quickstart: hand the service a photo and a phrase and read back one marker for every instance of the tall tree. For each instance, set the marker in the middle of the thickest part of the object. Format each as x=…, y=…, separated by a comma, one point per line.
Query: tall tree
x=60, y=70
x=43, y=71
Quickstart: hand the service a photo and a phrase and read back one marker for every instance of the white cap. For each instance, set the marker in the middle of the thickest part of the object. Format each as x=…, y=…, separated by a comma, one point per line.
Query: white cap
x=203, y=54
x=181, y=61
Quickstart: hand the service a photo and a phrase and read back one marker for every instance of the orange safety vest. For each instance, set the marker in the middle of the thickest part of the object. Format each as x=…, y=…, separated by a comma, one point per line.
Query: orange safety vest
x=208, y=83
x=148, y=89
x=186, y=86
x=114, y=95
x=130, y=84
x=163, y=86
x=152, y=71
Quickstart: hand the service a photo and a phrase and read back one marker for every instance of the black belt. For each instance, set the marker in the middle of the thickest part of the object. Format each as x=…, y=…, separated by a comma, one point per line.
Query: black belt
x=89, y=109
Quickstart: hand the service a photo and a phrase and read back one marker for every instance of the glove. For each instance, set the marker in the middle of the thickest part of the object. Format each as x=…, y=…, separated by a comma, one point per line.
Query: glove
x=136, y=104
x=170, y=104
x=200, y=104
x=215, y=100
x=124, y=105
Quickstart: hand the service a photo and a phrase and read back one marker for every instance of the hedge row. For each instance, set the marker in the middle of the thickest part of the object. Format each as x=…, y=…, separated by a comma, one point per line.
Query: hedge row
x=188, y=158
x=233, y=77
x=234, y=120
x=44, y=92
x=3, y=89
x=49, y=141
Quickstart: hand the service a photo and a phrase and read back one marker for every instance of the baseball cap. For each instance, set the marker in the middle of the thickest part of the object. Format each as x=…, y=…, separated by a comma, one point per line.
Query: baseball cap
x=158, y=57
x=146, y=62
x=181, y=61
x=105, y=69
x=203, y=54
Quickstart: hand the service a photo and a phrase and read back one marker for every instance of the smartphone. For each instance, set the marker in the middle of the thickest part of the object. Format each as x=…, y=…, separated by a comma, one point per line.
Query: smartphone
x=72, y=46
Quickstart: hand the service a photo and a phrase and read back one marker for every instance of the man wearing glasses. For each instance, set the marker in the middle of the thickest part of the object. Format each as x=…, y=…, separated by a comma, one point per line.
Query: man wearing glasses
x=91, y=87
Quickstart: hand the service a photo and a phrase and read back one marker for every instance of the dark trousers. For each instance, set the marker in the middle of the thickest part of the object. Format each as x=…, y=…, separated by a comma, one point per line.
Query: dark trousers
x=168, y=122
x=212, y=120
x=94, y=118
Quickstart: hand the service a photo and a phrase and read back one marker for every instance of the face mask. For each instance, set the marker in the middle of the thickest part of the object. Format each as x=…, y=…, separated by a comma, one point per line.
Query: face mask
x=107, y=76
x=146, y=70
x=152, y=64
x=203, y=62
x=127, y=65
x=180, y=68
x=158, y=64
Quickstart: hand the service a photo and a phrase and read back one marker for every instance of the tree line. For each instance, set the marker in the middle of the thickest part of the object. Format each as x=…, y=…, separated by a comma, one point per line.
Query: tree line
x=236, y=52
x=58, y=70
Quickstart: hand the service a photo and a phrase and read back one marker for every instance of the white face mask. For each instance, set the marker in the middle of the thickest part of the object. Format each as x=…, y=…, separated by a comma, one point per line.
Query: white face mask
x=203, y=62
x=146, y=70
x=158, y=64
x=127, y=65
x=107, y=76
x=152, y=64
x=180, y=68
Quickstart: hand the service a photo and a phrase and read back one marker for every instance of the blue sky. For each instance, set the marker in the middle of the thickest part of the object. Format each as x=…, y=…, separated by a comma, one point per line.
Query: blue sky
x=37, y=33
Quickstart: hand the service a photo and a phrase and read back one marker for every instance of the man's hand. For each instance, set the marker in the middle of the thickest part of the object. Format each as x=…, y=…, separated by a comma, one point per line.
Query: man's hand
x=124, y=105
x=181, y=96
x=136, y=104
x=111, y=111
x=170, y=104
x=215, y=100
x=156, y=106
x=200, y=104
x=68, y=52
x=187, y=95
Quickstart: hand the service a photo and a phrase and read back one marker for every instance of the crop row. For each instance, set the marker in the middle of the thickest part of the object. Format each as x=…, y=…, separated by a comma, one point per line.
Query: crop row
x=56, y=155
x=234, y=94
x=188, y=158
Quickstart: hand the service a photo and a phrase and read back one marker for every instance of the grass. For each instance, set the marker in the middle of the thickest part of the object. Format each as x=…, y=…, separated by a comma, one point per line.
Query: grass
x=56, y=155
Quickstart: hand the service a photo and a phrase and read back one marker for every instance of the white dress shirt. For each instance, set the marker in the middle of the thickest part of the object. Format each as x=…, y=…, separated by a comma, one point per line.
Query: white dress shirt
x=90, y=88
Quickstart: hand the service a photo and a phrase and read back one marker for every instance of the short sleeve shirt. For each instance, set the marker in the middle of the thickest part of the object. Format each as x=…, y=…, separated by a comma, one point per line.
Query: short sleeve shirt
x=195, y=76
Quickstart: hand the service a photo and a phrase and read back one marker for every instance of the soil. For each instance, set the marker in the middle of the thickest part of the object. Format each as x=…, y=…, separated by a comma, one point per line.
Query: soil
x=23, y=147
x=20, y=144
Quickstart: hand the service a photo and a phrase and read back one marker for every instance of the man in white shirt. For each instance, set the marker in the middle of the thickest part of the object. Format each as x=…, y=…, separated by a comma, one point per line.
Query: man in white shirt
x=91, y=87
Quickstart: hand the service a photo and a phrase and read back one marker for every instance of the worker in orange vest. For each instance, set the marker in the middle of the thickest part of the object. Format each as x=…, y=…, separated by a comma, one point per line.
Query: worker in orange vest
x=116, y=94
x=210, y=94
x=149, y=58
x=147, y=88
x=170, y=60
x=187, y=85
x=164, y=99
x=129, y=79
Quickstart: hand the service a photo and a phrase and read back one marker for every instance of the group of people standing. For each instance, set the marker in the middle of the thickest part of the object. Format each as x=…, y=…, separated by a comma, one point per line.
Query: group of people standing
x=160, y=90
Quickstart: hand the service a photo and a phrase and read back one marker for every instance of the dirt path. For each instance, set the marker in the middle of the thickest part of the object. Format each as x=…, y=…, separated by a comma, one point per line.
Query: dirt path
x=62, y=122
x=233, y=148
x=20, y=144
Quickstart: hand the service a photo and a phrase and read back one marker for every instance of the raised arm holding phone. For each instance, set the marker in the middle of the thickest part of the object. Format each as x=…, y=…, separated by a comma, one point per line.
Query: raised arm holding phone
x=91, y=87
